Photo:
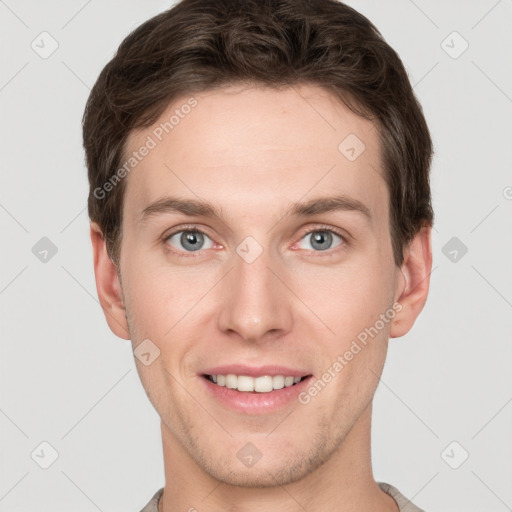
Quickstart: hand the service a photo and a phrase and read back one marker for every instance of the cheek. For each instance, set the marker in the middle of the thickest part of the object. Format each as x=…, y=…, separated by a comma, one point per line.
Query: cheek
x=158, y=297
x=347, y=298
x=172, y=308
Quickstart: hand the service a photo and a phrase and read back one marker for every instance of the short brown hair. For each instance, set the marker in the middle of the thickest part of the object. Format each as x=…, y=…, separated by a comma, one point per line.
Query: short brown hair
x=199, y=45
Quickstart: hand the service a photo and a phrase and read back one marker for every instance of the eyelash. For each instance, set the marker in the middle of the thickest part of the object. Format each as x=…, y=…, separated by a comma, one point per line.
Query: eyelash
x=191, y=228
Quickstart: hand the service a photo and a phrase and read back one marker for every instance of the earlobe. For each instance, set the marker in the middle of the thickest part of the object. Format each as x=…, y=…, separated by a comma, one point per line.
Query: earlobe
x=108, y=285
x=413, y=285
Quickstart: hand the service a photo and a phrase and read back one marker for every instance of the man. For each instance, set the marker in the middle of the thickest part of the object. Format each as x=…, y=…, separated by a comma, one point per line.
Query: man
x=261, y=226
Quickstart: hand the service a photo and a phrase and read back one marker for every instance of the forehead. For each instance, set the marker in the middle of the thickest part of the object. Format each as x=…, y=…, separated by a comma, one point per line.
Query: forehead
x=250, y=147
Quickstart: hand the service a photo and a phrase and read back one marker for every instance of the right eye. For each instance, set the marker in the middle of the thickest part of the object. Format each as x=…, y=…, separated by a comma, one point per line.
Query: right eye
x=190, y=240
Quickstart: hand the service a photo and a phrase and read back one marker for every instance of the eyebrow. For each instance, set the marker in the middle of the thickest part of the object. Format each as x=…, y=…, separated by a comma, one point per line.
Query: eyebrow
x=192, y=207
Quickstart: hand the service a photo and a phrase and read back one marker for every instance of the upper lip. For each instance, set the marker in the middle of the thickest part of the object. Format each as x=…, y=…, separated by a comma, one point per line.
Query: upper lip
x=255, y=371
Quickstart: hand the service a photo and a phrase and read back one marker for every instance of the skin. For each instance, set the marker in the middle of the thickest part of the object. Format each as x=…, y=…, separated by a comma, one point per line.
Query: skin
x=252, y=151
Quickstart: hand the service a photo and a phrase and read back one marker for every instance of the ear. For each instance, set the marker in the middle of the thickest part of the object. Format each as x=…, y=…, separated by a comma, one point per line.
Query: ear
x=108, y=285
x=413, y=285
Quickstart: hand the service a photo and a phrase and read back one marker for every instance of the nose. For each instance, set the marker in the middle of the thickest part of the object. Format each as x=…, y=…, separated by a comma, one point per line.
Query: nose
x=255, y=303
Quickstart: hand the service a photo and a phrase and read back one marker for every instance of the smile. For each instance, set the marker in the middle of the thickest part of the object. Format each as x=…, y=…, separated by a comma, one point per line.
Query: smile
x=247, y=384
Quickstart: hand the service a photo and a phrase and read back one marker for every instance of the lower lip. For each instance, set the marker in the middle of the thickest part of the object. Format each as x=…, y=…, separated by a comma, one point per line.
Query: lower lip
x=255, y=403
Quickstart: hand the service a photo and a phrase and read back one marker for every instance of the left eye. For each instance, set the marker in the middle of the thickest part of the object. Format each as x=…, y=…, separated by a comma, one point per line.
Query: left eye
x=321, y=239
x=190, y=240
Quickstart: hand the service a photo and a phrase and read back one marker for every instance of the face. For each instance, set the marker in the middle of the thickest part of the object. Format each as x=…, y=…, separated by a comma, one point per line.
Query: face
x=281, y=282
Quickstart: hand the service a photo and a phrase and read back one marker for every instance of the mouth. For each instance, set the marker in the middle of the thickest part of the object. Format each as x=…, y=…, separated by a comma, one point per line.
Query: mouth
x=260, y=384
x=255, y=390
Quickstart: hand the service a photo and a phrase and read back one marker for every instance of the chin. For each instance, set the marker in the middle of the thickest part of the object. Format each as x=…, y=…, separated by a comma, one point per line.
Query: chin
x=269, y=475
x=277, y=468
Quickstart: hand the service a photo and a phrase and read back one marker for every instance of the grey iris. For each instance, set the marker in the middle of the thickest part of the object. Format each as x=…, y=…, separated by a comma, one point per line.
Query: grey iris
x=194, y=238
x=322, y=238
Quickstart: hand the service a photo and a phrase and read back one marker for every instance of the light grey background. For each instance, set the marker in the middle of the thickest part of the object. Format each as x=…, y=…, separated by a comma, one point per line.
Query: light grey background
x=68, y=381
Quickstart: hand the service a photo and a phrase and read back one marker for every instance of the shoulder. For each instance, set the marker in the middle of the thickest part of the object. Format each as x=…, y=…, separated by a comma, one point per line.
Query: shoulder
x=404, y=504
x=152, y=505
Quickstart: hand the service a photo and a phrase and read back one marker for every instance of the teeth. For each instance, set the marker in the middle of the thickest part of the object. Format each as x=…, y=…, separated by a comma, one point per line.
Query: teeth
x=278, y=382
x=263, y=384
x=245, y=383
x=288, y=381
x=231, y=381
